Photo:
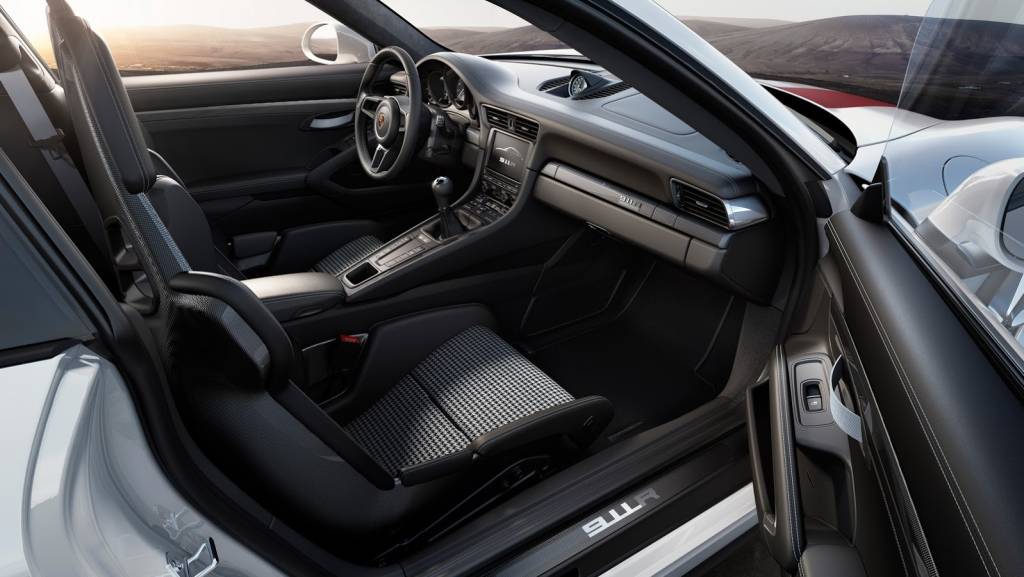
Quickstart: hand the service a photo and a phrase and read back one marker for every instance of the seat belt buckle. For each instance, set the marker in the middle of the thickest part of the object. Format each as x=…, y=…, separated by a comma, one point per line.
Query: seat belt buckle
x=350, y=349
x=357, y=340
x=332, y=361
x=54, y=144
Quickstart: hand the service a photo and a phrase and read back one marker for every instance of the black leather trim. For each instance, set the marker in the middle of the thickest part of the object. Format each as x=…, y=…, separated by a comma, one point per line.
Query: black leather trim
x=244, y=302
x=831, y=561
x=948, y=412
x=108, y=101
x=395, y=347
x=237, y=87
x=188, y=226
x=290, y=296
x=327, y=430
x=581, y=419
x=302, y=247
x=436, y=468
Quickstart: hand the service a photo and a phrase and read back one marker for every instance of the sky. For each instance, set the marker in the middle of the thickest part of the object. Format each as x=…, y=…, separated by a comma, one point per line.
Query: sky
x=30, y=14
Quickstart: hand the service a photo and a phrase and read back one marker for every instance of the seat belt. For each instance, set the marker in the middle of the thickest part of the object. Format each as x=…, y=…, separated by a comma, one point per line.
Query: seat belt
x=49, y=140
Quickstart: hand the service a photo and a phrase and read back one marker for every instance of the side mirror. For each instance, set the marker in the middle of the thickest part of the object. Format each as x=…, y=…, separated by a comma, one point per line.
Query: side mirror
x=979, y=228
x=334, y=43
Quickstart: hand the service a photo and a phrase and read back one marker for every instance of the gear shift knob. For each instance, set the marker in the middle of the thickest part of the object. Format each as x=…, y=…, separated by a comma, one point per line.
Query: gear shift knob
x=444, y=193
x=444, y=190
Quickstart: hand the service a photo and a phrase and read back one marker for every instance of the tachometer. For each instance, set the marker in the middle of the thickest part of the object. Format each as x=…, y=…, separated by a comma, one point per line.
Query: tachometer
x=437, y=89
x=461, y=96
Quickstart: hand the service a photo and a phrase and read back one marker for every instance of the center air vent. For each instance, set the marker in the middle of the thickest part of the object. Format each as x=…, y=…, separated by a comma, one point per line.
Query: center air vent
x=515, y=124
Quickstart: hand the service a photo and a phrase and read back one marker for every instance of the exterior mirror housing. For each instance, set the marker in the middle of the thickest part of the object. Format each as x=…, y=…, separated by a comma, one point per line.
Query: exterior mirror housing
x=979, y=227
x=334, y=43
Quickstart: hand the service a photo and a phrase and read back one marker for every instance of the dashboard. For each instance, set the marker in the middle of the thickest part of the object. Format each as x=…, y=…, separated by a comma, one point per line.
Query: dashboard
x=576, y=138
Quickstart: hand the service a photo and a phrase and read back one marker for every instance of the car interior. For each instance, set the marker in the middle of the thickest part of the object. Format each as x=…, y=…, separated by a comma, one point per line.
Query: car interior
x=405, y=307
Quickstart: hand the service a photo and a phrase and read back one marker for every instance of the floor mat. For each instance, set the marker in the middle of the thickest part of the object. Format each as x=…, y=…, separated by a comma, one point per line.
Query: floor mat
x=644, y=361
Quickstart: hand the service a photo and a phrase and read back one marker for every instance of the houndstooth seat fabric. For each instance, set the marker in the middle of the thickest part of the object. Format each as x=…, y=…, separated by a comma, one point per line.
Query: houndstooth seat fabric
x=470, y=385
x=347, y=255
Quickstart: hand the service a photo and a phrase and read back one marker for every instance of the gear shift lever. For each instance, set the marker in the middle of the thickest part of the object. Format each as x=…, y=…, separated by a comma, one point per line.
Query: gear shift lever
x=444, y=194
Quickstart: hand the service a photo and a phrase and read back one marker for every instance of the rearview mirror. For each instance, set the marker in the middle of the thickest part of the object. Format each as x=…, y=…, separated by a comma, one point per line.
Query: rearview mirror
x=334, y=43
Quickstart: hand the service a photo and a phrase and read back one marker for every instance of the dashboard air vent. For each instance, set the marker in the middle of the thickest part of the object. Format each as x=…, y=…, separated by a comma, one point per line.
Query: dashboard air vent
x=554, y=83
x=605, y=91
x=699, y=203
x=512, y=123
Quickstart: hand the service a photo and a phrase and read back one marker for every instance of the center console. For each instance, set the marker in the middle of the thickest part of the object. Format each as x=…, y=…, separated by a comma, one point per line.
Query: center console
x=497, y=193
x=500, y=182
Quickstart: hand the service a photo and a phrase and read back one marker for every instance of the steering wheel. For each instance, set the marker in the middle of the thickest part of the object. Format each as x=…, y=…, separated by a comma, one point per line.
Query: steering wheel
x=389, y=144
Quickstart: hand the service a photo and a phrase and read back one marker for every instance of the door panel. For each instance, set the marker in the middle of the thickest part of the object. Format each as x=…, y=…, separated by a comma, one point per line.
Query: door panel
x=933, y=485
x=237, y=149
x=265, y=151
x=937, y=413
x=260, y=86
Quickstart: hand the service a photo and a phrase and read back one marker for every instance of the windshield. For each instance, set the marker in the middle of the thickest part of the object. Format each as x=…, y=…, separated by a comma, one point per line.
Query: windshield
x=859, y=48
x=473, y=26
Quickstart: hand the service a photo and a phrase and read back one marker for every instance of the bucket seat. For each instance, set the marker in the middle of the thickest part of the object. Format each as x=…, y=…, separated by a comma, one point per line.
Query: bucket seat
x=437, y=394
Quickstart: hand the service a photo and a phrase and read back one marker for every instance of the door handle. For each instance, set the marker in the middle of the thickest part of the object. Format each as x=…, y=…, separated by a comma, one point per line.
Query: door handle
x=329, y=121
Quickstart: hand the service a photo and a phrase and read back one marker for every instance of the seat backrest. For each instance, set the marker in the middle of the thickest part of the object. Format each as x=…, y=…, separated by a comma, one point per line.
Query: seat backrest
x=111, y=112
x=225, y=353
x=18, y=144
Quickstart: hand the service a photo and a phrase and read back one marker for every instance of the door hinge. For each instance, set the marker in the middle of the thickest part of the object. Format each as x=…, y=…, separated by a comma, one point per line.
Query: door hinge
x=199, y=564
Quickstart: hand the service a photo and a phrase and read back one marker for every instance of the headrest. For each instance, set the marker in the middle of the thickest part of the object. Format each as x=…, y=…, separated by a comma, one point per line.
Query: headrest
x=94, y=85
x=10, y=50
x=13, y=54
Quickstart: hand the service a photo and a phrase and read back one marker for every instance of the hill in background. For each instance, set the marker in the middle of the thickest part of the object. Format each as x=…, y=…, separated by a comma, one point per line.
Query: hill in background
x=866, y=55
x=166, y=49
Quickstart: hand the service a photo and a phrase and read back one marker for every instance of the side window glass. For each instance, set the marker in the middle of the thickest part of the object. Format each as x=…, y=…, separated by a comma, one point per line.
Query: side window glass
x=955, y=158
x=176, y=36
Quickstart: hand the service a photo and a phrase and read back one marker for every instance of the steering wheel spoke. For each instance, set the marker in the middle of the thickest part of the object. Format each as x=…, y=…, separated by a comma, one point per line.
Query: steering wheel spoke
x=369, y=103
x=383, y=158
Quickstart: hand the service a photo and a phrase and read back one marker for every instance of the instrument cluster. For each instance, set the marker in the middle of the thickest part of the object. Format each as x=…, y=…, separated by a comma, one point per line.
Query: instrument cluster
x=444, y=88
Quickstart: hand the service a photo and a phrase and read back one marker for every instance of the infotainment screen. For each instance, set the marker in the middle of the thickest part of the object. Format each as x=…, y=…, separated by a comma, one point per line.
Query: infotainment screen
x=508, y=156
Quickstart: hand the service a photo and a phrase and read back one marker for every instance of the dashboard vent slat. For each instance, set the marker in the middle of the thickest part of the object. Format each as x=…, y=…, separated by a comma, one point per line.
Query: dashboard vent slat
x=605, y=91
x=526, y=128
x=699, y=203
x=512, y=123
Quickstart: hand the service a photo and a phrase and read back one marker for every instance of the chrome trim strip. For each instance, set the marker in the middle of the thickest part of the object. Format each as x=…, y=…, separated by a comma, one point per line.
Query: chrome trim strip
x=695, y=541
x=745, y=211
